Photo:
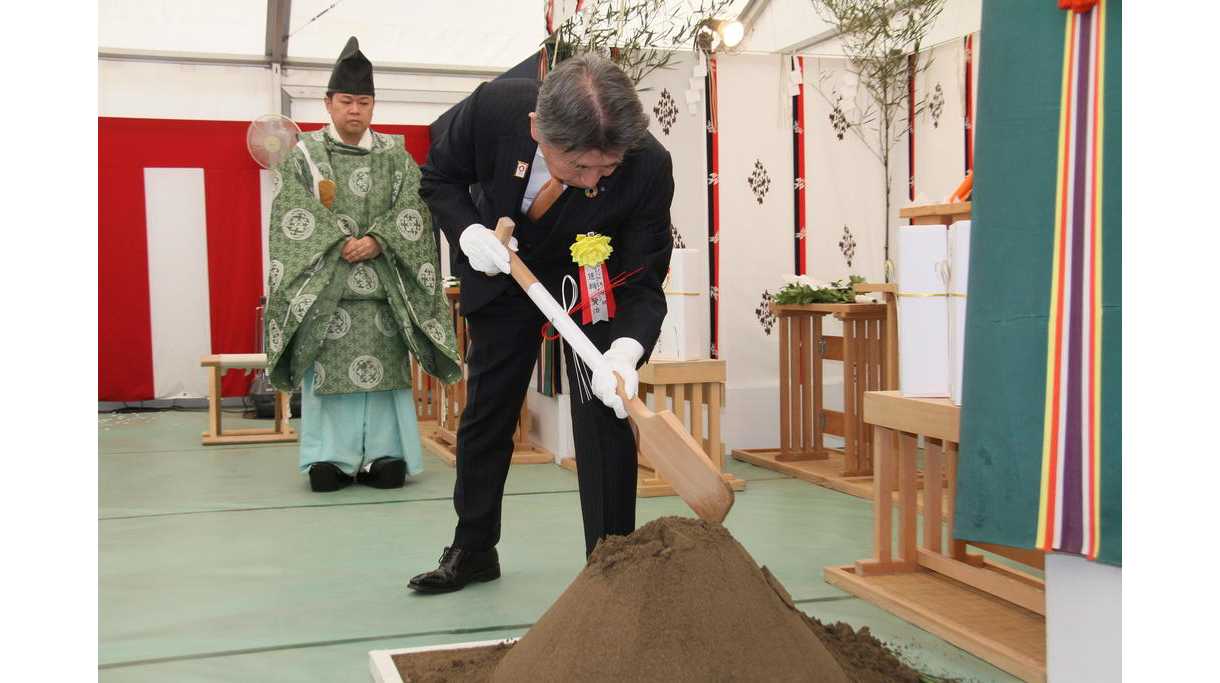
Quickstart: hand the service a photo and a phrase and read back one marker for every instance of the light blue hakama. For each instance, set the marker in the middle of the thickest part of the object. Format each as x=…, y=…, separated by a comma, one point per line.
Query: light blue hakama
x=350, y=430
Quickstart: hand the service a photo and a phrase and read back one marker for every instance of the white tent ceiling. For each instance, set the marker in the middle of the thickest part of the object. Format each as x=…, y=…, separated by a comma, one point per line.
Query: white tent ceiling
x=235, y=27
x=224, y=59
x=492, y=34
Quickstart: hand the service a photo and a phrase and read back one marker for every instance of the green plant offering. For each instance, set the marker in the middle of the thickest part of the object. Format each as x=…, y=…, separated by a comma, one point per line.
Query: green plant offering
x=804, y=291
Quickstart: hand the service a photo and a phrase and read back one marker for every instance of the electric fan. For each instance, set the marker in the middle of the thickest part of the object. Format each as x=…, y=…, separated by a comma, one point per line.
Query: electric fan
x=270, y=138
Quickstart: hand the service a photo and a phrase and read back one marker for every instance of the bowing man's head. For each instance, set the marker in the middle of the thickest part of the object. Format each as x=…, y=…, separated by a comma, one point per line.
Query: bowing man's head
x=588, y=116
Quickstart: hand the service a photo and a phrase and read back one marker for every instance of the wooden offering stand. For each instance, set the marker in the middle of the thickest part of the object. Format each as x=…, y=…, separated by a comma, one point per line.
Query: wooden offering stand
x=217, y=365
x=439, y=406
x=803, y=422
x=690, y=389
x=937, y=214
x=990, y=610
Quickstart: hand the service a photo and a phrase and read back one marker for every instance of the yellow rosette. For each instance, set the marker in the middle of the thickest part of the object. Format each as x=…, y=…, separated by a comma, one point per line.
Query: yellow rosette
x=590, y=252
x=591, y=249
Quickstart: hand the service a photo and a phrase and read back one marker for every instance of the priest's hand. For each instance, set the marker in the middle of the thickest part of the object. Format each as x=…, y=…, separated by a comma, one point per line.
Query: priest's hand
x=621, y=359
x=360, y=249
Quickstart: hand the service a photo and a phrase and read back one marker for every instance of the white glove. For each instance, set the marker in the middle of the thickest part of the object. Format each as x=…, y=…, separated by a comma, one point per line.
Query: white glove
x=484, y=250
x=623, y=356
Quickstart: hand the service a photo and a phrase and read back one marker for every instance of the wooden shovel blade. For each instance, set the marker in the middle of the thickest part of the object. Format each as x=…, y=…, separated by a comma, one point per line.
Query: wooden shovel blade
x=677, y=457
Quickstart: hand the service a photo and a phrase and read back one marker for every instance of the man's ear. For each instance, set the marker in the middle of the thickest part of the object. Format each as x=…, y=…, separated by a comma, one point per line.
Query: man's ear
x=534, y=126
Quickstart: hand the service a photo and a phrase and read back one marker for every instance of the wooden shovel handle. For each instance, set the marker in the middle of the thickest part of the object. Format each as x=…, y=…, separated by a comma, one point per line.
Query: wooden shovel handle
x=670, y=447
x=519, y=271
x=634, y=406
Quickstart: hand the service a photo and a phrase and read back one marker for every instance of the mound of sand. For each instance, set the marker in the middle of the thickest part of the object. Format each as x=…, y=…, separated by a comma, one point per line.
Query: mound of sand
x=681, y=600
x=678, y=600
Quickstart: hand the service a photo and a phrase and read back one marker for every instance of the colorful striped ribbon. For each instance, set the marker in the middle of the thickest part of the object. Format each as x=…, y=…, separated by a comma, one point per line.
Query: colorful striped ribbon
x=1070, y=496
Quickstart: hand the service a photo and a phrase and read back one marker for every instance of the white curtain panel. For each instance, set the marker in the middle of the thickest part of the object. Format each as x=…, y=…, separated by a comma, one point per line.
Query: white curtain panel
x=266, y=189
x=940, y=145
x=674, y=99
x=756, y=234
x=179, y=303
x=679, y=123
x=845, y=191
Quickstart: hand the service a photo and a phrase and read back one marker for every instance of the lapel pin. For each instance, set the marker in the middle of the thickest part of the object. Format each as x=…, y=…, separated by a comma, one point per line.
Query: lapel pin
x=522, y=167
x=591, y=192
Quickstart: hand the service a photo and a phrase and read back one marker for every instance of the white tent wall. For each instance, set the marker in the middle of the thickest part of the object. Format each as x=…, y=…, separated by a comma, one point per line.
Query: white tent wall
x=845, y=207
x=217, y=92
x=165, y=90
x=215, y=26
x=939, y=139
x=402, y=99
x=493, y=35
x=756, y=237
x=684, y=134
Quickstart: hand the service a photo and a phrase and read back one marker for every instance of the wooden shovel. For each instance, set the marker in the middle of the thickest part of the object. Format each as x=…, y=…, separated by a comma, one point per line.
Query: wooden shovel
x=662, y=437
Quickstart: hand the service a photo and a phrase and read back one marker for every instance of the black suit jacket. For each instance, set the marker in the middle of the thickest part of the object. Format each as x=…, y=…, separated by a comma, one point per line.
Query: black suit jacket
x=480, y=141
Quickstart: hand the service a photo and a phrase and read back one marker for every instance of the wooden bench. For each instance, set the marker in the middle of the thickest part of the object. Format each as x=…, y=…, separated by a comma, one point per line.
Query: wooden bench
x=989, y=609
x=217, y=365
x=439, y=406
x=689, y=389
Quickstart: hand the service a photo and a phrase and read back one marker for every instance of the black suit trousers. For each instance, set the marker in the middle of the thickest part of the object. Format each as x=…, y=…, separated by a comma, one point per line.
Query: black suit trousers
x=504, y=342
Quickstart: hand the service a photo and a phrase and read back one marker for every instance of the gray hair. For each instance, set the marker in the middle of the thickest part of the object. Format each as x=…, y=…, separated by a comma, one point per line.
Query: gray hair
x=587, y=102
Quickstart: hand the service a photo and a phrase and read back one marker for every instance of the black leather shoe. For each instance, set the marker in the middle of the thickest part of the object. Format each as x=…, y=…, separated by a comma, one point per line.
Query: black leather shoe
x=459, y=567
x=384, y=473
x=325, y=477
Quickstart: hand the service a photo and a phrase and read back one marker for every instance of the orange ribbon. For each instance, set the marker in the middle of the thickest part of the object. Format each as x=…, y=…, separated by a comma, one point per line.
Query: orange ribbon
x=1078, y=6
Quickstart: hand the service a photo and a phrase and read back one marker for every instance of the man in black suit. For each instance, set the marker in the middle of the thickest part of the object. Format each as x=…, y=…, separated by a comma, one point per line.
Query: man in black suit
x=564, y=158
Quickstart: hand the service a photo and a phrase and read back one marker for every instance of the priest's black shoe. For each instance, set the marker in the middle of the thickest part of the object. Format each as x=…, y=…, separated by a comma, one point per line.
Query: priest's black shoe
x=384, y=473
x=325, y=477
x=459, y=567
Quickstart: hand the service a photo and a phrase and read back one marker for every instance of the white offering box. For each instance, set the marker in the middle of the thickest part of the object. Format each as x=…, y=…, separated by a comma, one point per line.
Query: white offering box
x=684, y=332
x=923, y=311
x=959, y=277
